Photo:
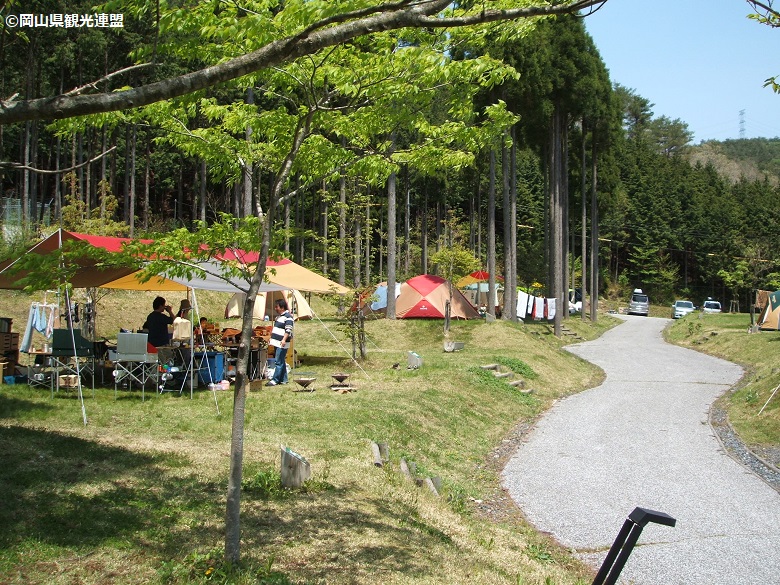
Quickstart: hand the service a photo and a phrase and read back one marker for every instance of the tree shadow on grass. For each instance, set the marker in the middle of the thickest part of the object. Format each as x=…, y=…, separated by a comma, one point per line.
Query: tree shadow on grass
x=325, y=535
x=11, y=407
x=74, y=493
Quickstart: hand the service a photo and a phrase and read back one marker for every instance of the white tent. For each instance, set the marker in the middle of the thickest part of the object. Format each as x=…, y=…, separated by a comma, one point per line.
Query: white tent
x=264, y=305
x=477, y=294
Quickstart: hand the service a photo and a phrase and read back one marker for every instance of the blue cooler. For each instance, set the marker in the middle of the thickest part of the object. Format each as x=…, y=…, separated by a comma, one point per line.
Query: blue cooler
x=212, y=366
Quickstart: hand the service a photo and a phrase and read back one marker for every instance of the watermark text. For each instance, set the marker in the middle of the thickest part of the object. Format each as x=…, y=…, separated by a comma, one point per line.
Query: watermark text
x=100, y=20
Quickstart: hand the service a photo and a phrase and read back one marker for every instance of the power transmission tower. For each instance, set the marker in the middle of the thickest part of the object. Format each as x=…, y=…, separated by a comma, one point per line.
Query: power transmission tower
x=742, y=124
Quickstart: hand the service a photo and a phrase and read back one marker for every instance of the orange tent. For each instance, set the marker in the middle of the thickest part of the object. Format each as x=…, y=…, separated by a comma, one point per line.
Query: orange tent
x=425, y=296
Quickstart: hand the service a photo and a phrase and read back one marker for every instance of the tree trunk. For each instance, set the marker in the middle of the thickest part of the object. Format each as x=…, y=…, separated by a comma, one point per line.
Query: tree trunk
x=126, y=190
x=233, y=507
x=512, y=284
x=112, y=174
x=57, y=182
x=407, y=225
x=132, y=182
x=506, y=314
x=287, y=218
x=391, y=257
x=88, y=179
x=367, y=246
x=27, y=147
x=103, y=177
x=491, y=237
x=248, y=167
x=557, y=240
x=27, y=141
x=356, y=252
x=80, y=170
x=584, y=225
x=178, y=213
x=563, y=298
x=342, y=228
x=482, y=259
x=325, y=228
x=299, y=222
x=203, y=191
x=147, y=182
x=424, y=234
x=594, y=238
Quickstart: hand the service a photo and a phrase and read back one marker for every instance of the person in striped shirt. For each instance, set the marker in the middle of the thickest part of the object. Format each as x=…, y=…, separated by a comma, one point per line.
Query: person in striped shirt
x=281, y=335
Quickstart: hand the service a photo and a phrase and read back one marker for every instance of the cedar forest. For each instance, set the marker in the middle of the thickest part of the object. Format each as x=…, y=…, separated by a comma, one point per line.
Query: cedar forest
x=393, y=148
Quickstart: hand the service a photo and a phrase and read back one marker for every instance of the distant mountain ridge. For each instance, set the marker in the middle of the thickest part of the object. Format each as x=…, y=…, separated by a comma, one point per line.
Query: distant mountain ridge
x=752, y=158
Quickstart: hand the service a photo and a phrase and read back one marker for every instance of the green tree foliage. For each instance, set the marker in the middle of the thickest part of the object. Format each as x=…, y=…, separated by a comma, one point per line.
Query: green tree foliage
x=766, y=13
x=76, y=217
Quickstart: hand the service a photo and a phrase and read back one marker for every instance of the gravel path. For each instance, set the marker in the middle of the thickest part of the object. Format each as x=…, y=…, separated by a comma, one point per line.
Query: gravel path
x=643, y=438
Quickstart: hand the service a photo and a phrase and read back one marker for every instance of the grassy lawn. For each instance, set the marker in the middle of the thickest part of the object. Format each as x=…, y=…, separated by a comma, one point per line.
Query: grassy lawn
x=138, y=495
x=726, y=335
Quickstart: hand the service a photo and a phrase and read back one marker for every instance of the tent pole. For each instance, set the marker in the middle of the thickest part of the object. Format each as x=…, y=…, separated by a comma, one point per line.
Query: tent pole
x=772, y=395
x=75, y=357
x=192, y=354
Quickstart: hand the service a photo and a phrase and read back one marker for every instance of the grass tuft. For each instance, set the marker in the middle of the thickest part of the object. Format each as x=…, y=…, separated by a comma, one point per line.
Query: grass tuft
x=518, y=367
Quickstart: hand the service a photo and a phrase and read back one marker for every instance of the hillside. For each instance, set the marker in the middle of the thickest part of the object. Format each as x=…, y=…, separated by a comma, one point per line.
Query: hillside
x=137, y=495
x=753, y=159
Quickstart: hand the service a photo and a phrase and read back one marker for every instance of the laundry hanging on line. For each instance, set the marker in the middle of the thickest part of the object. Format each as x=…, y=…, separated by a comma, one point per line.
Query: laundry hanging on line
x=40, y=318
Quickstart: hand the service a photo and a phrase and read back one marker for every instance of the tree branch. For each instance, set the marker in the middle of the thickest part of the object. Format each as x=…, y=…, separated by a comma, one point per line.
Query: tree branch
x=768, y=8
x=486, y=16
x=93, y=84
x=20, y=167
x=327, y=32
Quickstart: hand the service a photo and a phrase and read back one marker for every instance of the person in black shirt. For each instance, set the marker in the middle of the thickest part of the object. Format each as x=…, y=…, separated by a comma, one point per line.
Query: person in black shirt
x=157, y=322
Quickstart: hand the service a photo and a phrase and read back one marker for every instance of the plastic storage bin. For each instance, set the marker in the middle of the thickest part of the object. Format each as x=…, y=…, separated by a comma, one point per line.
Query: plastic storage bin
x=212, y=367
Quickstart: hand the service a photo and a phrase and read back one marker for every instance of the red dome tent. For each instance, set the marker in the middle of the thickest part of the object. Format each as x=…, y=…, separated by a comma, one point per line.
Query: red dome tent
x=425, y=296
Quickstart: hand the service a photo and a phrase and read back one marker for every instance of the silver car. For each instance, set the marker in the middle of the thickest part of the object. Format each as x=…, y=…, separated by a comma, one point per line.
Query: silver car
x=639, y=303
x=682, y=308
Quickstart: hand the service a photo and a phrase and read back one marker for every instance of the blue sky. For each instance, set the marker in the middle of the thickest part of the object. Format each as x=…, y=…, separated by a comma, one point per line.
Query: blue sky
x=701, y=61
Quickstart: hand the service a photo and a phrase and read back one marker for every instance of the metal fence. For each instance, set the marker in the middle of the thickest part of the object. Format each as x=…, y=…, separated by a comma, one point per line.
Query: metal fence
x=11, y=215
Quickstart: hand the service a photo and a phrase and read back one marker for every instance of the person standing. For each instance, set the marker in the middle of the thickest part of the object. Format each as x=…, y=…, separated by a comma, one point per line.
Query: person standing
x=182, y=327
x=157, y=323
x=281, y=335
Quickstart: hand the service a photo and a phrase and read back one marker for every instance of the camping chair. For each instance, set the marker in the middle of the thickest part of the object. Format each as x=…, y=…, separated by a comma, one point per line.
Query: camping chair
x=132, y=362
x=68, y=364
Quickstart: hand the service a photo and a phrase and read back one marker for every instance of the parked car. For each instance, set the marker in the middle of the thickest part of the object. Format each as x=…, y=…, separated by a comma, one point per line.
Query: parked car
x=711, y=306
x=682, y=308
x=639, y=303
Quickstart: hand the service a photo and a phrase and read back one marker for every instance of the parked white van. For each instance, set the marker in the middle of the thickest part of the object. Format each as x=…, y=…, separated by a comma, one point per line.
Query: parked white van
x=639, y=303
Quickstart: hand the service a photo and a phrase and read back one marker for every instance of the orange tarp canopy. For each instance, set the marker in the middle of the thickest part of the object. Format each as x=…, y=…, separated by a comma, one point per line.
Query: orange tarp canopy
x=475, y=277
